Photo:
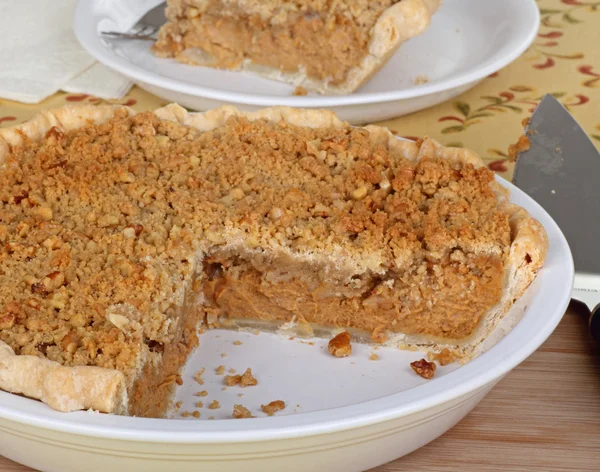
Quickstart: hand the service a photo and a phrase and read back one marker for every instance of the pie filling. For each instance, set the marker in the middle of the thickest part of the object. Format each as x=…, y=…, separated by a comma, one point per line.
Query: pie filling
x=119, y=240
x=324, y=39
x=277, y=290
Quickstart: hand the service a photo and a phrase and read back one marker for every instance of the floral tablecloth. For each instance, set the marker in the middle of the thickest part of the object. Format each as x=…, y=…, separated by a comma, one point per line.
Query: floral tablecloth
x=564, y=61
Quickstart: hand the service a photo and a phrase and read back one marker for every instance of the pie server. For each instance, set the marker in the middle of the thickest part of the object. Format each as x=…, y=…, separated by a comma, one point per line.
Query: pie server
x=561, y=172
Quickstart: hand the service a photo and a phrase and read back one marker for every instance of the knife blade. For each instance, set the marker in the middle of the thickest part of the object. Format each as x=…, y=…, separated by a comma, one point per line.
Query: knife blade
x=561, y=171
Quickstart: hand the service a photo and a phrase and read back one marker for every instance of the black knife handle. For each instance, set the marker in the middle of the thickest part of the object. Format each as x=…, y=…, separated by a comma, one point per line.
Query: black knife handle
x=595, y=323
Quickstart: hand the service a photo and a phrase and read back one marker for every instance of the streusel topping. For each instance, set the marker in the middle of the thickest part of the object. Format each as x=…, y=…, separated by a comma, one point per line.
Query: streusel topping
x=101, y=227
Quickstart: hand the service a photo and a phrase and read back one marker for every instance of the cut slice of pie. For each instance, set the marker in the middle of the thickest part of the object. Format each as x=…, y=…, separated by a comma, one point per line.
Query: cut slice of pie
x=328, y=46
x=121, y=234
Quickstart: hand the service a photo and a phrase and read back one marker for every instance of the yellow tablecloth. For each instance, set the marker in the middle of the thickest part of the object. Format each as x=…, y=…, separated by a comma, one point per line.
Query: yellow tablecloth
x=564, y=60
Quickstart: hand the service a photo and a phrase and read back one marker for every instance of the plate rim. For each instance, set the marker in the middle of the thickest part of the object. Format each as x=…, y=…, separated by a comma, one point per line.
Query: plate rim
x=468, y=379
x=85, y=27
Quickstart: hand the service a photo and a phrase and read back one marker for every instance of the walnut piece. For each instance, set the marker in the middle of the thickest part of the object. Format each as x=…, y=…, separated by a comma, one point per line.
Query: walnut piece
x=340, y=345
x=273, y=407
x=423, y=368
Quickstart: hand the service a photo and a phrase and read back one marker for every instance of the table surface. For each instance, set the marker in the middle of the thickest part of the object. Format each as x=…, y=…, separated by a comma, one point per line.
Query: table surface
x=543, y=416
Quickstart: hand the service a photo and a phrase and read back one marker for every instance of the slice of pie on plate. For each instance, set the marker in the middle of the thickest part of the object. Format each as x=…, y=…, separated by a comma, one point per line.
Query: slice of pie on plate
x=122, y=233
x=327, y=46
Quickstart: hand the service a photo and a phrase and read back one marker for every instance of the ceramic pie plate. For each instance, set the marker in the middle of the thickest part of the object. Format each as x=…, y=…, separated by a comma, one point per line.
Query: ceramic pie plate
x=466, y=41
x=347, y=414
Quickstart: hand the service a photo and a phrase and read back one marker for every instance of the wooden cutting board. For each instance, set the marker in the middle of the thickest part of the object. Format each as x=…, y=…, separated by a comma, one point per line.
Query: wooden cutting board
x=543, y=417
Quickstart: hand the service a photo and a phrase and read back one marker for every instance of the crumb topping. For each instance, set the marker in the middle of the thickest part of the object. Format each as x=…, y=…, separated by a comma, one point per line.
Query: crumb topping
x=245, y=380
x=100, y=227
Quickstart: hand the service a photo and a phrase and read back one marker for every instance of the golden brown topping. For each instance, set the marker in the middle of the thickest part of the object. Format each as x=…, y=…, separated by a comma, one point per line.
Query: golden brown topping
x=240, y=411
x=196, y=414
x=340, y=345
x=273, y=407
x=220, y=370
x=215, y=405
x=423, y=368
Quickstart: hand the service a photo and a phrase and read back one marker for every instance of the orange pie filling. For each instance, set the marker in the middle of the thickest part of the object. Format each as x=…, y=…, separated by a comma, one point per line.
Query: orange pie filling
x=445, y=301
x=322, y=38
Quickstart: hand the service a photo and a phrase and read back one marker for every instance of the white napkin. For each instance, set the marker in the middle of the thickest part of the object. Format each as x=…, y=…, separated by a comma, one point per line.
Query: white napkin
x=40, y=55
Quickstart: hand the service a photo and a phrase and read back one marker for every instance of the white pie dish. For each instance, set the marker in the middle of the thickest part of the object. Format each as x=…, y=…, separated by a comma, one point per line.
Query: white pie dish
x=466, y=41
x=346, y=429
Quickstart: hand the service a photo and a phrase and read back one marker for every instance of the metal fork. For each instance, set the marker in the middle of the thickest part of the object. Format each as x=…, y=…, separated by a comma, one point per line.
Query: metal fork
x=145, y=29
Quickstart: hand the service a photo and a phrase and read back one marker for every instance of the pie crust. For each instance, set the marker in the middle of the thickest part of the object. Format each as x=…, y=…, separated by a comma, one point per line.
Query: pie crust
x=68, y=388
x=186, y=38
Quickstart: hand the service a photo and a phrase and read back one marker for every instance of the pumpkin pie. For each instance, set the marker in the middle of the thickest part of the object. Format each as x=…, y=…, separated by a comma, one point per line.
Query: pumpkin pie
x=123, y=235
x=327, y=46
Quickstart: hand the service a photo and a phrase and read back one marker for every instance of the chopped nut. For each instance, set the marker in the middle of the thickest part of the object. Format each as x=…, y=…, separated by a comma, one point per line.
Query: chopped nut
x=360, y=192
x=42, y=213
x=39, y=289
x=220, y=370
x=70, y=342
x=215, y=405
x=161, y=139
x=199, y=404
x=273, y=407
x=214, y=237
x=126, y=177
x=118, y=320
x=340, y=345
x=58, y=300
x=196, y=414
x=423, y=368
x=237, y=193
x=240, y=411
x=7, y=320
x=53, y=280
x=133, y=231
x=108, y=220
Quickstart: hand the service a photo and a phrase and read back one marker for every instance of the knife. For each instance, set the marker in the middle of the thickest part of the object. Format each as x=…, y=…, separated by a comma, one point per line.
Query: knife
x=561, y=171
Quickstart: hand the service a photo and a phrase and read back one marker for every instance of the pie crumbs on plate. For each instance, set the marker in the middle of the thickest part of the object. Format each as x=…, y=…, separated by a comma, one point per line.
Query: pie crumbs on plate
x=121, y=233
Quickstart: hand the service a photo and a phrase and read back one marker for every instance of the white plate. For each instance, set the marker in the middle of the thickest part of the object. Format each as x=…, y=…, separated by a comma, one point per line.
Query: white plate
x=353, y=413
x=466, y=41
